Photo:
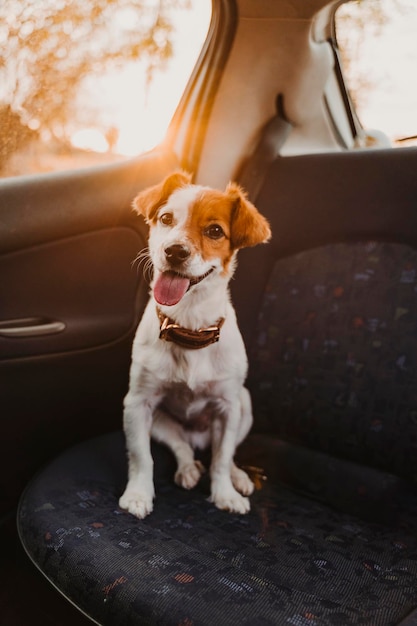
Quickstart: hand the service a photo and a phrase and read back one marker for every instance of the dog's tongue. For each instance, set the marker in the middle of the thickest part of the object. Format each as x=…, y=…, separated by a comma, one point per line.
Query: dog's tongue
x=170, y=288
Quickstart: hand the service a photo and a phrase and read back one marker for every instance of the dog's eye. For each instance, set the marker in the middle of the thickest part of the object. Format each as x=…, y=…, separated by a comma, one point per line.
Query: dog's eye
x=166, y=219
x=214, y=231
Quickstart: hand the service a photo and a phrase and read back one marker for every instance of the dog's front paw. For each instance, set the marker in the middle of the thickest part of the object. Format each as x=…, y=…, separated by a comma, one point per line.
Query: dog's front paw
x=241, y=481
x=231, y=501
x=138, y=503
x=188, y=475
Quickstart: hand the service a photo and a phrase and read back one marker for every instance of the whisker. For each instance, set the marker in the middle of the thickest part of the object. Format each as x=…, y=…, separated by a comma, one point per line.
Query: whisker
x=143, y=258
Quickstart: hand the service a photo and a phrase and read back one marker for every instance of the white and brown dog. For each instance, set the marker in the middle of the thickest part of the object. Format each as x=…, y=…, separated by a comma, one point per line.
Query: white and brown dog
x=188, y=360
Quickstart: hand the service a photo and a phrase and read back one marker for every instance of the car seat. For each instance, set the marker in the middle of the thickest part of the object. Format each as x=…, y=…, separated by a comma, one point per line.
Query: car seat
x=328, y=311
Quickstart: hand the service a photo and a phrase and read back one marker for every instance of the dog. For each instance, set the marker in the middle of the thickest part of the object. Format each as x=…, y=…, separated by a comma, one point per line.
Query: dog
x=189, y=364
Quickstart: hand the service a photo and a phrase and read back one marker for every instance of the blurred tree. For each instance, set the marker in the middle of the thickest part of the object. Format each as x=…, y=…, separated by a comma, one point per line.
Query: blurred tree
x=48, y=47
x=15, y=135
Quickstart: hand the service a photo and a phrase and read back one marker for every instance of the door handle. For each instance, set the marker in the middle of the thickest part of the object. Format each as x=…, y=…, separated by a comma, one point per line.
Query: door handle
x=30, y=327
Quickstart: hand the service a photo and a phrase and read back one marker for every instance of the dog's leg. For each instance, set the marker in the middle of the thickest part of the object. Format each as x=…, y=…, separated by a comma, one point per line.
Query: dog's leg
x=170, y=433
x=139, y=493
x=226, y=433
x=240, y=479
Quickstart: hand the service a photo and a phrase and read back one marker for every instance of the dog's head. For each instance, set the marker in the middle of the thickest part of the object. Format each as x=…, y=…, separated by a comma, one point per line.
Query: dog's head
x=195, y=232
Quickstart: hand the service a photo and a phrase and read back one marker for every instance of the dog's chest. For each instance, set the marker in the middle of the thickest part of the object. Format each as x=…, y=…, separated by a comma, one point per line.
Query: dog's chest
x=194, y=409
x=196, y=370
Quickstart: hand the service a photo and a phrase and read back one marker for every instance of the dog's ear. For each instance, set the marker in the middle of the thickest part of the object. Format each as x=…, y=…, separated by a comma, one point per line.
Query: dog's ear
x=148, y=201
x=248, y=226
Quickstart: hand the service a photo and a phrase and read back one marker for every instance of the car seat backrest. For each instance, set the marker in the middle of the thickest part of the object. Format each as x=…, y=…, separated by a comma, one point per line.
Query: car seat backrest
x=330, y=314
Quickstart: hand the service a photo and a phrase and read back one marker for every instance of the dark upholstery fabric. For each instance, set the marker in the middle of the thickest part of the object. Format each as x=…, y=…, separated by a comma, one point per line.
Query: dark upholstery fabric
x=319, y=199
x=334, y=363
x=291, y=560
x=331, y=539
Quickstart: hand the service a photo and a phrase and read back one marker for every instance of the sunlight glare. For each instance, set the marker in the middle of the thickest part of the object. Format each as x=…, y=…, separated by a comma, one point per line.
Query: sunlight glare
x=140, y=113
x=89, y=139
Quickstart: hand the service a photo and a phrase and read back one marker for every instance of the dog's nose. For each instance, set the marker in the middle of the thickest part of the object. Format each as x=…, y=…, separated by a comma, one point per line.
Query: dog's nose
x=177, y=253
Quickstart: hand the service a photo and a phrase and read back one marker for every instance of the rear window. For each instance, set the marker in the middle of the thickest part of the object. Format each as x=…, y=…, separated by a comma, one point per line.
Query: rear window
x=378, y=46
x=84, y=82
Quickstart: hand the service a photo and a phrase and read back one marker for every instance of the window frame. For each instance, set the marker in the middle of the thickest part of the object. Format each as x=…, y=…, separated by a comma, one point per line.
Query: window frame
x=186, y=132
x=354, y=123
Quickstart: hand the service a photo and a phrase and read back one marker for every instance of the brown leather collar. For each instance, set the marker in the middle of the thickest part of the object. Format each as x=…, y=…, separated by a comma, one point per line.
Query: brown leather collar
x=186, y=338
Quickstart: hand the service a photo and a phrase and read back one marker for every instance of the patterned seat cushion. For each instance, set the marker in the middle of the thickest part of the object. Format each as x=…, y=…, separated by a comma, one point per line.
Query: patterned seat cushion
x=291, y=560
x=333, y=380
x=333, y=366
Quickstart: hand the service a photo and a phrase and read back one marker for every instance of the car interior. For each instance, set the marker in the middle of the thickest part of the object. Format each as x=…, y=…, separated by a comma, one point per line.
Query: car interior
x=328, y=313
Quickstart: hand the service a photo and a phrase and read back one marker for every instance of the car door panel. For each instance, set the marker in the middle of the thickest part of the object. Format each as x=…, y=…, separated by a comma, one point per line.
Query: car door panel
x=68, y=295
x=37, y=209
x=70, y=299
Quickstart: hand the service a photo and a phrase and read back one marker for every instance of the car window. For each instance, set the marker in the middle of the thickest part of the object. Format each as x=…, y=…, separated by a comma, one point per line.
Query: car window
x=84, y=82
x=378, y=49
